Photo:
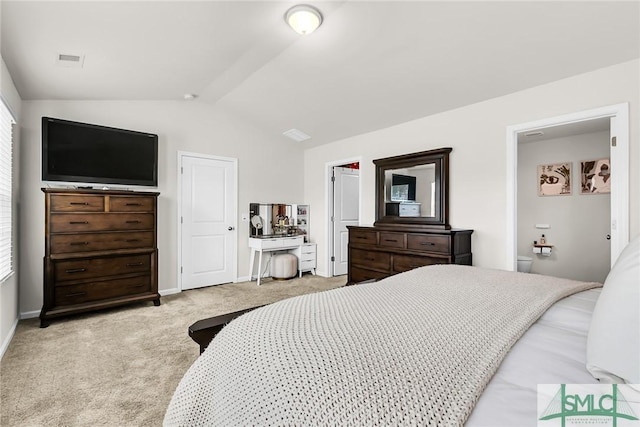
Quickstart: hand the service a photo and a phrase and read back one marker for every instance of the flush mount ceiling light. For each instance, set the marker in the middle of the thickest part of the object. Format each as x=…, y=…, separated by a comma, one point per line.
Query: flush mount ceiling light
x=304, y=19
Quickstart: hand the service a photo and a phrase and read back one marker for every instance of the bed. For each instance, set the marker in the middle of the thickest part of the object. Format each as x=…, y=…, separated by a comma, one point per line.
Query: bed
x=438, y=345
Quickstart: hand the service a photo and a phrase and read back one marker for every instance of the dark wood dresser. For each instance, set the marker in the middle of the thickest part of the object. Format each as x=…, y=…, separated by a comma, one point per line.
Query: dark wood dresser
x=378, y=252
x=100, y=250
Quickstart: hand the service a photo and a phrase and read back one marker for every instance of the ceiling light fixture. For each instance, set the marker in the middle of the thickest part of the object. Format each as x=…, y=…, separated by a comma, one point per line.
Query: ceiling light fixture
x=304, y=19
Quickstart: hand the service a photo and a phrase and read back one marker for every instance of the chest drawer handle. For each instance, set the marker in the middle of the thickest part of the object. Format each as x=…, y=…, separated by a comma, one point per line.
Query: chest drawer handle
x=78, y=243
x=391, y=240
x=134, y=264
x=79, y=203
x=132, y=204
x=76, y=270
x=78, y=222
x=370, y=259
x=428, y=244
x=76, y=294
x=360, y=237
x=132, y=240
x=134, y=221
x=135, y=286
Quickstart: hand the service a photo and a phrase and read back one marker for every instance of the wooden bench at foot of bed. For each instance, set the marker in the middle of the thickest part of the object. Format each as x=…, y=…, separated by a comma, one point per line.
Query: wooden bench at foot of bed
x=203, y=331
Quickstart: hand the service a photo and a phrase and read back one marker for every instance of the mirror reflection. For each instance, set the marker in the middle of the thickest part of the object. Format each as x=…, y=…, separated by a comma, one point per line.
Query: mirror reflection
x=271, y=219
x=410, y=192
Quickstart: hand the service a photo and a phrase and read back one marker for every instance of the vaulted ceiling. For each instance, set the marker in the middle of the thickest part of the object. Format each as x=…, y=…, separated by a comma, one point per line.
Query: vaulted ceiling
x=371, y=64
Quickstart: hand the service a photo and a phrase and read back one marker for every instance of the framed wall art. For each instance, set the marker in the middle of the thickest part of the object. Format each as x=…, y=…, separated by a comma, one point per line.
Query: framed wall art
x=595, y=176
x=554, y=179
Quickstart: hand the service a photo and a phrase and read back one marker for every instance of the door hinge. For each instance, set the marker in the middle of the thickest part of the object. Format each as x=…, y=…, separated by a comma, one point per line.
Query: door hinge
x=333, y=178
x=181, y=220
x=181, y=170
x=333, y=259
x=614, y=141
x=181, y=269
x=333, y=219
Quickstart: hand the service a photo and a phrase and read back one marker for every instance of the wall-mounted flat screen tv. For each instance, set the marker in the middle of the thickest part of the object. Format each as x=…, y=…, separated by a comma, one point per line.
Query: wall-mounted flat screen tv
x=403, y=187
x=87, y=153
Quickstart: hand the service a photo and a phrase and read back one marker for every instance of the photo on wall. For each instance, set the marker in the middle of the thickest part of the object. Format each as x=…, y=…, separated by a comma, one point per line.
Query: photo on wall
x=554, y=179
x=595, y=176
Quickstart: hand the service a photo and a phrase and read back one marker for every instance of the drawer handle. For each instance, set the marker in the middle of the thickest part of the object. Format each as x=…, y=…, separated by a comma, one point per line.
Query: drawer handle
x=133, y=221
x=76, y=294
x=134, y=264
x=76, y=270
x=78, y=222
x=132, y=240
x=132, y=204
x=360, y=237
x=135, y=286
x=391, y=240
x=370, y=259
x=79, y=203
x=428, y=244
x=78, y=243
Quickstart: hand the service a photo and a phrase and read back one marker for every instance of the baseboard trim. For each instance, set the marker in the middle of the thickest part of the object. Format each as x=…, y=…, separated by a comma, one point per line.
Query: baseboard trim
x=7, y=340
x=29, y=314
x=165, y=292
x=242, y=279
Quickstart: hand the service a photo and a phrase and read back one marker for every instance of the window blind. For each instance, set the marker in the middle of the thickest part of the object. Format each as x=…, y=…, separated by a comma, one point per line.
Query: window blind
x=6, y=187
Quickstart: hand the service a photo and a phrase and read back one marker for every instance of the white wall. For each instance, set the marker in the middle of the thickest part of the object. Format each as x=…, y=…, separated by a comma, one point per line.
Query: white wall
x=181, y=126
x=9, y=288
x=478, y=162
x=578, y=223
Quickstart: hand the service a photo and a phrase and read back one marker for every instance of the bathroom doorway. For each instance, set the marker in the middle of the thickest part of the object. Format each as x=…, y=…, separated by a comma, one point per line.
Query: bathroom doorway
x=573, y=220
x=586, y=230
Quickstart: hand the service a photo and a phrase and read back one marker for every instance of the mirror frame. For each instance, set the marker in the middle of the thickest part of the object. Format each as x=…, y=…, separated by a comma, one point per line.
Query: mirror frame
x=440, y=158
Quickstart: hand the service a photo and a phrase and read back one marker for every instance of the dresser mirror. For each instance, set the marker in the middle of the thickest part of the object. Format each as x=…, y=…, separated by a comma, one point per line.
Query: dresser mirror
x=412, y=189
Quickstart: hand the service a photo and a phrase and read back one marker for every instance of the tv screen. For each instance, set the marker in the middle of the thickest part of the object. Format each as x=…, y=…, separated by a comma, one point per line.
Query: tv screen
x=405, y=187
x=82, y=152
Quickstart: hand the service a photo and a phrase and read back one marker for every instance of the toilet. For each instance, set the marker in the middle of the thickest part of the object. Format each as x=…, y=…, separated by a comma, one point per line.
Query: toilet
x=524, y=264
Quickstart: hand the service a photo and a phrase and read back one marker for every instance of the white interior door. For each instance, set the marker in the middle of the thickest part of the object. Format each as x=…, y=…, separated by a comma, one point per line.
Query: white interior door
x=346, y=202
x=208, y=220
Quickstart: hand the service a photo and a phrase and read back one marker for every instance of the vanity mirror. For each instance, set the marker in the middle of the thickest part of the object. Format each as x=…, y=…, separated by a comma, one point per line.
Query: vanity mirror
x=412, y=189
x=269, y=219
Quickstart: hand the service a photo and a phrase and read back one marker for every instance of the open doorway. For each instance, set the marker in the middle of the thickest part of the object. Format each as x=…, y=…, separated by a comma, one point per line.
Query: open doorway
x=617, y=117
x=564, y=201
x=344, y=211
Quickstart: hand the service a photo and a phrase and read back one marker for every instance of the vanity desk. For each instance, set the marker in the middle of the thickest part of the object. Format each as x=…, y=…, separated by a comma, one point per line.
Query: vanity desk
x=305, y=252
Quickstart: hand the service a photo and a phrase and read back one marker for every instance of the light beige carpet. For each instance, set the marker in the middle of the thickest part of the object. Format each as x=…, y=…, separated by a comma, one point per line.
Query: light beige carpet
x=119, y=367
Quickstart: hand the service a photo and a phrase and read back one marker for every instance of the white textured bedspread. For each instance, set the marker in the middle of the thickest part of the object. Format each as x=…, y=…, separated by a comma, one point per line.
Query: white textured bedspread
x=417, y=348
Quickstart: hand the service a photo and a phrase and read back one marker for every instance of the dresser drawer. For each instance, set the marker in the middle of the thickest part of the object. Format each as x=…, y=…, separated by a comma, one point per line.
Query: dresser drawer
x=357, y=274
x=76, y=203
x=131, y=204
x=360, y=237
x=67, y=222
x=98, y=267
x=94, y=291
x=379, y=260
x=392, y=240
x=84, y=242
x=407, y=262
x=428, y=243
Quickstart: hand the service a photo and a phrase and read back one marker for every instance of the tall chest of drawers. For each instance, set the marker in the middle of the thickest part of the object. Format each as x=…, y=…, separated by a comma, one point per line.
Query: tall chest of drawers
x=378, y=252
x=100, y=250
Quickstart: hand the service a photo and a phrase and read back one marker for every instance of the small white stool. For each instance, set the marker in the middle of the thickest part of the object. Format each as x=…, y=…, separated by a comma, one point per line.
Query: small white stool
x=284, y=266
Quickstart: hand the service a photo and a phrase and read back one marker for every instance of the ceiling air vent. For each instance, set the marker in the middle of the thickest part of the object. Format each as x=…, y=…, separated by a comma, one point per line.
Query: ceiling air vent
x=69, y=60
x=296, y=135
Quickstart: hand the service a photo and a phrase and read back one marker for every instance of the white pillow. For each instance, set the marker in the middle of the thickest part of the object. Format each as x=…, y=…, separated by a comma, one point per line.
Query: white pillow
x=613, y=344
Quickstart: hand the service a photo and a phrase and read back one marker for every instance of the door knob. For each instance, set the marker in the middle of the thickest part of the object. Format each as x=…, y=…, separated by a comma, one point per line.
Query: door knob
x=608, y=236
x=230, y=228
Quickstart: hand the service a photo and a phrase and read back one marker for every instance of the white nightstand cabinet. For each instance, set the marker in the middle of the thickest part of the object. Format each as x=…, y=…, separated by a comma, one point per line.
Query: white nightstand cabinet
x=306, y=254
